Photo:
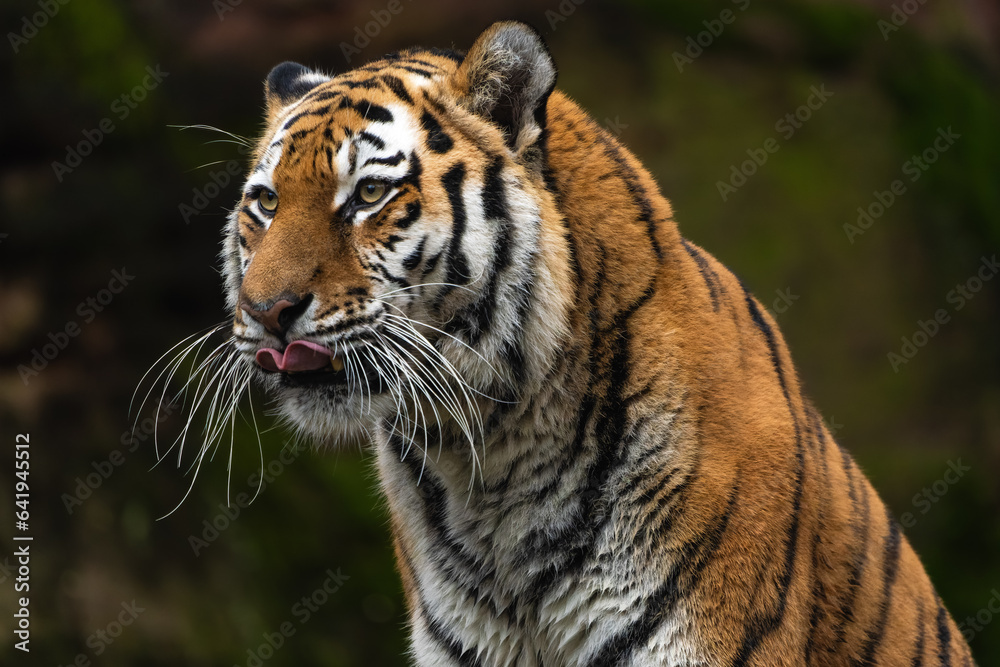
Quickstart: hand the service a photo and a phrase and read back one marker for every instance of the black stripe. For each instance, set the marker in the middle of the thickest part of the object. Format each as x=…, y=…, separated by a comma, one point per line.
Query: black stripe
x=477, y=318
x=344, y=325
x=391, y=278
x=253, y=216
x=513, y=348
x=332, y=309
x=243, y=241
x=392, y=160
x=817, y=594
x=710, y=277
x=761, y=626
x=458, y=564
x=943, y=635
x=368, y=84
x=820, y=432
x=413, y=174
x=692, y=560
x=595, y=288
x=395, y=84
x=890, y=568
x=437, y=140
x=861, y=531
x=641, y=463
x=390, y=243
x=323, y=110
x=372, y=139
x=457, y=56
x=772, y=345
x=373, y=112
x=611, y=423
x=565, y=540
x=541, y=117
x=764, y=328
x=412, y=260
x=512, y=353
x=494, y=192
x=818, y=561
x=458, y=266
x=431, y=264
x=318, y=96
x=412, y=214
x=425, y=63
x=619, y=649
x=631, y=180
x=574, y=254
x=417, y=70
x=659, y=521
x=918, y=653
x=352, y=155
x=463, y=658
x=657, y=483
x=578, y=540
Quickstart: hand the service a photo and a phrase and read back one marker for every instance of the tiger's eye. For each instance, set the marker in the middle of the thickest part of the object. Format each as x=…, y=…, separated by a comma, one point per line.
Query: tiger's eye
x=371, y=191
x=268, y=200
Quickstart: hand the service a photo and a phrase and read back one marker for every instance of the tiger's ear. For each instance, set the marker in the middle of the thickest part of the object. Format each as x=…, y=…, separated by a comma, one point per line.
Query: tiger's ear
x=288, y=82
x=506, y=78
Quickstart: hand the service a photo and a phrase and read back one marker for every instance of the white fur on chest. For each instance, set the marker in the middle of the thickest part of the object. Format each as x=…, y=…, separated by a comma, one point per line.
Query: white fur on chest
x=495, y=609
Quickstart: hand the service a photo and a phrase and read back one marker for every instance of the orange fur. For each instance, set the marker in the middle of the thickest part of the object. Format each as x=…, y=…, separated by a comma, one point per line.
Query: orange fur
x=771, y=548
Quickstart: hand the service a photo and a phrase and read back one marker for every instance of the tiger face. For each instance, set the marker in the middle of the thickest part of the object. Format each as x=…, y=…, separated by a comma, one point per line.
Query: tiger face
x=383, y=243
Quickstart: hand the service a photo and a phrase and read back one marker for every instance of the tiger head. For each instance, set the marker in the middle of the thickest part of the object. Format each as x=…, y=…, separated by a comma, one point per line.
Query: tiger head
x=386, y=249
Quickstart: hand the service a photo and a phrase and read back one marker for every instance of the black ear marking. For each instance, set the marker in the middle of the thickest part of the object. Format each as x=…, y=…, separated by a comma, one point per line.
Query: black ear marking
x=507, y=77
x=288, y=82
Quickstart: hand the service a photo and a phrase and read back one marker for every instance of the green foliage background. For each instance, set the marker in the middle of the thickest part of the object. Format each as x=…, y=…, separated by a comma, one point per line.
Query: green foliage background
x=843, y=305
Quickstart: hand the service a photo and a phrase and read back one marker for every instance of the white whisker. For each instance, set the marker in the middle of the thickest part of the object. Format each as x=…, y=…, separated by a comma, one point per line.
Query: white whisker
x=216, y=383
x=243, y=141
x=396, y=292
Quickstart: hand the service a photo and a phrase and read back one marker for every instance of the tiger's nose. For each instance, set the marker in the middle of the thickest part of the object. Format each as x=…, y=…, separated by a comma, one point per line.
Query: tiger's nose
x=278, y=317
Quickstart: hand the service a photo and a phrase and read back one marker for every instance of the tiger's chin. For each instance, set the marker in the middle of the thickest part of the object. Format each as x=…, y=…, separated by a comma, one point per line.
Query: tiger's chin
x=328, y=411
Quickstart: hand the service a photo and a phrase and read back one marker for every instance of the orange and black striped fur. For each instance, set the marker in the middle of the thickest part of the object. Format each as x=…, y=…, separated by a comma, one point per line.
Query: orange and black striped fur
x=592, y=439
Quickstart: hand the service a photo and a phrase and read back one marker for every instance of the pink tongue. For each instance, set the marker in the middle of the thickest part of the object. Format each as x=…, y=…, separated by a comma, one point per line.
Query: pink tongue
x=300, y=355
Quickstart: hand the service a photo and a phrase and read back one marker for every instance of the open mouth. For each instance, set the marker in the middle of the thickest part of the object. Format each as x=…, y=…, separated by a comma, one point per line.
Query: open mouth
x=306, y=363
x=301, y=356
x=303, y=362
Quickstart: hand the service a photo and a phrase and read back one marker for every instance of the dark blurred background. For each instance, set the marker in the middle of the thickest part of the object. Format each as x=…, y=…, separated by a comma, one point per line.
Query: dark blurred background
x=94, y=179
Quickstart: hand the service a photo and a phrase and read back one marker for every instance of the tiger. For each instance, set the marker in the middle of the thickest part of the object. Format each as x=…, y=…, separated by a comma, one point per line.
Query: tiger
x=591, y=439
